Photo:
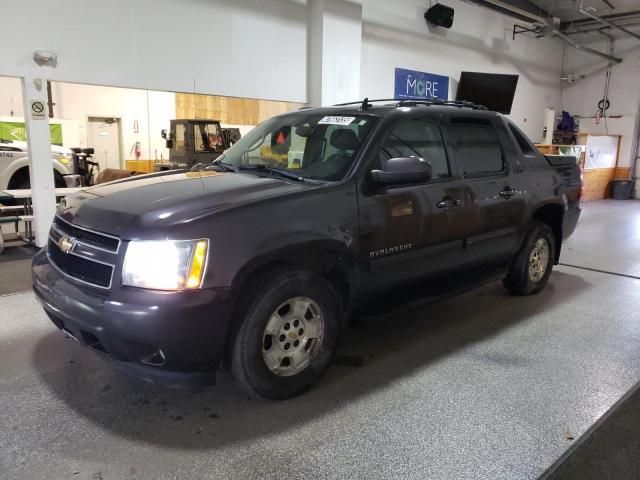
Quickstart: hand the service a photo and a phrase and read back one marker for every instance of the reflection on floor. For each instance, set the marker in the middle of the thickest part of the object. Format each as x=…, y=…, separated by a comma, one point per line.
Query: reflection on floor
x=485, y=385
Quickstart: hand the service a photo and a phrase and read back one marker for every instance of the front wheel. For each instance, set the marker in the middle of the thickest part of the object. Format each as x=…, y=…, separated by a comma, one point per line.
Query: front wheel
x=531, y=267
x=288, y=332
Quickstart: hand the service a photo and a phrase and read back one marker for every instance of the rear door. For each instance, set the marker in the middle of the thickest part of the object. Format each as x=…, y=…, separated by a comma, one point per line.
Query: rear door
x=413, y=231
x=494, y=182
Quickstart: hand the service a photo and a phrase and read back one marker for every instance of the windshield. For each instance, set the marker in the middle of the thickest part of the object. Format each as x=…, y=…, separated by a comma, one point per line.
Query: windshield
x=313, y=145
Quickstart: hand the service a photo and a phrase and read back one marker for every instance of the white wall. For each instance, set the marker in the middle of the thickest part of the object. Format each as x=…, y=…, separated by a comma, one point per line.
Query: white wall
x=581, y=98
x=79, y=102
x=335, y=47
x=243, y=48
x=395, y=34
x=76, y=103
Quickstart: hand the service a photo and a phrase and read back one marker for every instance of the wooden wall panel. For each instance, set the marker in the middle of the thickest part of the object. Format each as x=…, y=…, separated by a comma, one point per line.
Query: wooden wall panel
x=597, y=182
x=622, y=173
x=230, y=110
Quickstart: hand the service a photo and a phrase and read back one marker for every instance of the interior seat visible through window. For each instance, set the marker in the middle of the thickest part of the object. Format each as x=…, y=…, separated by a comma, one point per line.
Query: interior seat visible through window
x=345, y=143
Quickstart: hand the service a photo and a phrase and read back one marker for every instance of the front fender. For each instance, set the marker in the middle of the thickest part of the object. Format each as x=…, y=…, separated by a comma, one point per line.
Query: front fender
x=16, y=164
x=326, y=256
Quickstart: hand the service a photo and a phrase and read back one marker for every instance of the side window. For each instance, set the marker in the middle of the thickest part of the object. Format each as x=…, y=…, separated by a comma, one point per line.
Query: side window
x=417, y=137
x=180, y=140
x=479, y=149
x=523, y=142
x=532, y=157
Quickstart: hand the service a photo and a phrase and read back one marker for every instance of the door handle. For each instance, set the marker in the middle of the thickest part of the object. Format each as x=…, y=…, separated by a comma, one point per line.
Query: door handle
x=508, y=192
x=448, y=202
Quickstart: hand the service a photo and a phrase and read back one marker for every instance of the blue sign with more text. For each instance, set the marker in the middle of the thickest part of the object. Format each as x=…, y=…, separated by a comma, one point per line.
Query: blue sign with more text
x=420, y=85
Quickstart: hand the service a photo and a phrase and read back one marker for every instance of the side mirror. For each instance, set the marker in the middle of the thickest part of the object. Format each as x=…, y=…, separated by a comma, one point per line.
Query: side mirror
x=163, y=133
x=402, y=170
x=169, y=144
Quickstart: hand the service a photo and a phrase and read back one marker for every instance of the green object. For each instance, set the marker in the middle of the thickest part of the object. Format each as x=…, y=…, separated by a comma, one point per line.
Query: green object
x=17, y=131
x=5, y=196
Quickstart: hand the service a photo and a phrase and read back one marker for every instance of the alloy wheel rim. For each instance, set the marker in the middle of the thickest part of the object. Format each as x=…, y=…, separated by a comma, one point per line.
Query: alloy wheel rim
x=539, y=260
x=292, y=336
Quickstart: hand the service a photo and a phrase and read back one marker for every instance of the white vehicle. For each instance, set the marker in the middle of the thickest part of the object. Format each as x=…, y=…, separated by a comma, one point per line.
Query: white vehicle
x=14, y=165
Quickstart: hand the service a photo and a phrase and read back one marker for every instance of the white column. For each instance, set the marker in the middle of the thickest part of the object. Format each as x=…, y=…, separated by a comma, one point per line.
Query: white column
x=334, y=51
x=34, y=93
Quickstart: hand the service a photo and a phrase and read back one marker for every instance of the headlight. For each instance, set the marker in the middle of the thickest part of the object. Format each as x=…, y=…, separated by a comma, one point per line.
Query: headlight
x=64, y=160
x=165, y=264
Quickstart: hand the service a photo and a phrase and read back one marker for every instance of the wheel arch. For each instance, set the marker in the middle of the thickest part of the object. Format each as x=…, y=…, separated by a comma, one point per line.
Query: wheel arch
x=552, y=214
x=329, y=258
x=20, y=170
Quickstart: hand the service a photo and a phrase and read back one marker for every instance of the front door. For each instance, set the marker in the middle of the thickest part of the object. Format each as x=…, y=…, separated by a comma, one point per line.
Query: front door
x=104, y=136
x=414, y=231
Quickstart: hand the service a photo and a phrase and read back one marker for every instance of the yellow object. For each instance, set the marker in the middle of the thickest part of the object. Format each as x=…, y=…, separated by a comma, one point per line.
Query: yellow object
x=145, y=166
x=64, y=160
x=197, y=264
x=266, y=152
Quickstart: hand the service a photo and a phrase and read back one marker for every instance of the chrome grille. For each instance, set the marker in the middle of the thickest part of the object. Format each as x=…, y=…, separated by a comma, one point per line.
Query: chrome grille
x=80, y=268
x=86, y=236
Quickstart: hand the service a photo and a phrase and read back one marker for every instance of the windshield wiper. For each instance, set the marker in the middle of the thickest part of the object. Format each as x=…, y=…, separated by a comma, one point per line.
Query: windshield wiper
x=261, y=167
x=225, y=166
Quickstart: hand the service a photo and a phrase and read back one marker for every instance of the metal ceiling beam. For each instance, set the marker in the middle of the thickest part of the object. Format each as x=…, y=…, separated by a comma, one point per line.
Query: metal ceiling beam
x=529, y=14
x=607, y=22
x=584, y=48
x=597, y=27
x=512, y=10
x=610, y=17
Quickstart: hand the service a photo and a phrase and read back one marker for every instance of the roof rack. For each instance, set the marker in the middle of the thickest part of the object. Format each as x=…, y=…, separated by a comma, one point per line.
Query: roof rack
x=366, y=103
x=436, y=101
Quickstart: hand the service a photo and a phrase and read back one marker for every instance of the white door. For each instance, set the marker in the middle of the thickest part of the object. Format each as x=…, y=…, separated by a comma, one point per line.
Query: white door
x=104, y=137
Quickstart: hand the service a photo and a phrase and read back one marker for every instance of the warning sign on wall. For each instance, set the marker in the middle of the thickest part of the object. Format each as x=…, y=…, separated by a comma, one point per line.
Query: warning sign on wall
x=37, y=110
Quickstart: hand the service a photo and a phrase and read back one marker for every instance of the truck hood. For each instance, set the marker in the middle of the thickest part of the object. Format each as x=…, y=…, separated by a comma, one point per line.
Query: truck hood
x=150, y=206
x=55, y=149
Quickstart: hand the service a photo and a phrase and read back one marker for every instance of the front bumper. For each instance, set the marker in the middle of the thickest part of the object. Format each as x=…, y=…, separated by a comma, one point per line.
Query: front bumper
x=174, y=338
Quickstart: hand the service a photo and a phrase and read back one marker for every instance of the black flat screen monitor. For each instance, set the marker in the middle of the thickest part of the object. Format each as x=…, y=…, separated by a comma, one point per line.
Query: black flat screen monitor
x=493, y=90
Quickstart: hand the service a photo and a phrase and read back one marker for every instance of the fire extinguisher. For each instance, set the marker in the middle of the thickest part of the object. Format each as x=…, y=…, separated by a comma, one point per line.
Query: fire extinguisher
x=135, y=150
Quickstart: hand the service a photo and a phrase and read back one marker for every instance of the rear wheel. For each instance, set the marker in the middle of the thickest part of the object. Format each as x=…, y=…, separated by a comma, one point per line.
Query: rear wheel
x=287, y=335
x=532, y=265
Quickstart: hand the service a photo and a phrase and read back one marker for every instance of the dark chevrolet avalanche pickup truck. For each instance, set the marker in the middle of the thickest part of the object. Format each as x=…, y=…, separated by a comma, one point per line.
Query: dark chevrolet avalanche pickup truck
x=257, y=261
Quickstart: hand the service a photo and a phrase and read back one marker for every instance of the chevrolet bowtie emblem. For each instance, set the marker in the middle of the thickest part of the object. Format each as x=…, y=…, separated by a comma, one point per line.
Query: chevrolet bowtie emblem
x=65, y=244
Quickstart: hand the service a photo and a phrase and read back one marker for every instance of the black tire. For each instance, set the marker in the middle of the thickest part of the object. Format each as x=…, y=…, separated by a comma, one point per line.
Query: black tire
x=58, y=181
x=258, y=303
x=518, y=280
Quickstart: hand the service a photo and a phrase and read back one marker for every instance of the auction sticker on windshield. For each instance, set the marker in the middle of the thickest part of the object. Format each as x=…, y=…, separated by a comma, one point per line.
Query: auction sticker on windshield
x=336, y=120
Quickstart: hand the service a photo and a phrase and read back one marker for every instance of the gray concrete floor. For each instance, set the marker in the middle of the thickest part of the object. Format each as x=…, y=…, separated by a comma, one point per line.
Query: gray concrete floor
x=608, y=238
x=485, y=385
